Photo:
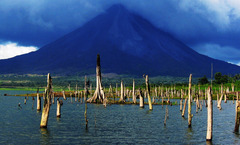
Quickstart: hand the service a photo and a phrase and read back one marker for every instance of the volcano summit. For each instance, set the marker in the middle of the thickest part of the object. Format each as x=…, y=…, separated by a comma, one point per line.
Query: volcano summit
x=127, y=43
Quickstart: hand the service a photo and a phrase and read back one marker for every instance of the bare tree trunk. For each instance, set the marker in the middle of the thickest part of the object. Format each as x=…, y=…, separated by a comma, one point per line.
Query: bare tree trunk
x=133, y=93
x=46, y=105
x=210, y=115
x=99, y=93
x=148, y=92
x=141, y=98
x=53, y=98
x=189, y=102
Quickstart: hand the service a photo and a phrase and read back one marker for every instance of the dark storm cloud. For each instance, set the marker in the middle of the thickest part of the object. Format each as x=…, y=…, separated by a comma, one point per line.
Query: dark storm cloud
x=202, y=25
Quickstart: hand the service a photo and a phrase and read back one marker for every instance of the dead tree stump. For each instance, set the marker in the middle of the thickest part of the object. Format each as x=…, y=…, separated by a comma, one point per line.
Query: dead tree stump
x=122, y=97
x=38, y=102
x=237, y=118
x=59, y=104
x=189, y=102
x=99, y=93
x=47, y=101
x=133, y=93
x=210, y=115
x=148, y=92
x=141, y=98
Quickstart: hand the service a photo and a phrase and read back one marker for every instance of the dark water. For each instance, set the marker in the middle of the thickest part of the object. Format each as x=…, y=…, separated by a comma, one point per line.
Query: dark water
x=116, y=124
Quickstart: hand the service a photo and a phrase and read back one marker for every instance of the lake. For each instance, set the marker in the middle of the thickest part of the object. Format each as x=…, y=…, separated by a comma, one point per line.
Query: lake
x=115, y=124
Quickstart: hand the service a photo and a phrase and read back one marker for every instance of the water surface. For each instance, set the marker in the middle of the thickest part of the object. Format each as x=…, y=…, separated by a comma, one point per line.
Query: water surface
x=116, y=124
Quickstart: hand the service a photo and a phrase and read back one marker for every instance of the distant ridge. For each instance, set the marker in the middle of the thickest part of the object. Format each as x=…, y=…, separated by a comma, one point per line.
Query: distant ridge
x=127, y=43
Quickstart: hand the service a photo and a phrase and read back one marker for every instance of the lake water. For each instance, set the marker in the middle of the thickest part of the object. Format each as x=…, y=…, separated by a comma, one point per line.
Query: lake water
x=116, y=124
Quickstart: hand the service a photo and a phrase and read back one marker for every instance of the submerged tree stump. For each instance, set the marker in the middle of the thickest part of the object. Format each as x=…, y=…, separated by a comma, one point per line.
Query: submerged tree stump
x=47, y=101
x=59, y=104
x=189, y=102
x=210, y=115
x=99, y=93
x=148, y=92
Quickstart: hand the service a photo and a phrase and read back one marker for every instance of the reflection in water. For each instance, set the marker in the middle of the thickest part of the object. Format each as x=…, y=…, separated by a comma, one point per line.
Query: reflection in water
x=208, y=142
x=58, y=119
x=189, y=133
x=45, y=137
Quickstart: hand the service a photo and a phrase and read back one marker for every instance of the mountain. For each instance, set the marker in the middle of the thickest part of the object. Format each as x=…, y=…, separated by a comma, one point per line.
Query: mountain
x=127, y=44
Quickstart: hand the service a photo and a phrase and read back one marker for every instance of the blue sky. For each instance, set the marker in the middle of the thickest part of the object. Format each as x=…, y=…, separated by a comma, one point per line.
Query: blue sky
x=210, y=27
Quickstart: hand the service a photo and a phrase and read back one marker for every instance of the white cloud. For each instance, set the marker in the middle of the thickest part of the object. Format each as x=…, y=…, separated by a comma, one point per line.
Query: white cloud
x=219, y=12
x=11, y=49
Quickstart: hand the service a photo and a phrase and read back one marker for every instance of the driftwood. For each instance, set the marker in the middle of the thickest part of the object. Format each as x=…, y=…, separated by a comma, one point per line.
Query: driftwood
x=47, y=101
x=99, y=93
x=210, y=115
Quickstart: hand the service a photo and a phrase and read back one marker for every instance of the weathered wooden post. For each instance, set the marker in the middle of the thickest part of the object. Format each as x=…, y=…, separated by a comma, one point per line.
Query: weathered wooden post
x=46, y=105
x=189, y=102
x=99, y=93
x=141, y=98
x=148, y=92
x=59, y=104
x=38, y=102
x=210, y=115
x=133, y=93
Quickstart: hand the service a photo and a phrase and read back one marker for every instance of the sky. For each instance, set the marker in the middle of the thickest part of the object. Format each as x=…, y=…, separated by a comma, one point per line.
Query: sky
x=211, y=27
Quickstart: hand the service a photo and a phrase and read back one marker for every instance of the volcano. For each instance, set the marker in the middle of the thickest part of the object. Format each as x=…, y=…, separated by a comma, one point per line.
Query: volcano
x=127, y=43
